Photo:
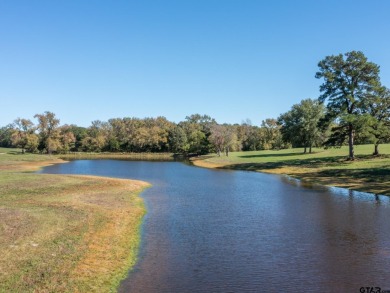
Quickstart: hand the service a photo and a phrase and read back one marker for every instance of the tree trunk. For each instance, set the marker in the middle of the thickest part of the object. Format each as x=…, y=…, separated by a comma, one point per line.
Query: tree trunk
x=376, y=149
x=227, y=152
x=350, y=142
x=310, y=149
x=304, y=151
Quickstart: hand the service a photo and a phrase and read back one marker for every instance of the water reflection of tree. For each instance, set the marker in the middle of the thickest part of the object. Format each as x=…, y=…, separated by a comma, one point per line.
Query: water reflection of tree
x=350, y=230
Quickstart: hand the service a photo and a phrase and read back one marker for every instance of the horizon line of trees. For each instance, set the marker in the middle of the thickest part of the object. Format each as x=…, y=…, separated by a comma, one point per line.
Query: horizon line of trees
x=197, y=134
x=354, y=107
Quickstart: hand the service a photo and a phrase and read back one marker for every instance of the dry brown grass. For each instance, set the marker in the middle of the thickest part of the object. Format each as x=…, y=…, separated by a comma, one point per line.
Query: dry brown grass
x=63, y=233
x=28, y=166
x=118, y=156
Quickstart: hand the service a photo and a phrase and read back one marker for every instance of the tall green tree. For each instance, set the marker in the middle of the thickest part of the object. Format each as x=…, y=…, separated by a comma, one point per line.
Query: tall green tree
x=178, y=141
x=79, y=133
x=378, y=108
x=6, y=135
x=196, y=138
x=300, y=124
x=348, y=80
x=117, y=135
x=198, y=129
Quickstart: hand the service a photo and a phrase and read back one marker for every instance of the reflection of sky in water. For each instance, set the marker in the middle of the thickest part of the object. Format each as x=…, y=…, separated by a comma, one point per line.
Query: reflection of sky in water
x=220, y=231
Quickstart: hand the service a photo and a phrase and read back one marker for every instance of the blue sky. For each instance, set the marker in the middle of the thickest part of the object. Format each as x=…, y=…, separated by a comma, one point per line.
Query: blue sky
x=232, y=60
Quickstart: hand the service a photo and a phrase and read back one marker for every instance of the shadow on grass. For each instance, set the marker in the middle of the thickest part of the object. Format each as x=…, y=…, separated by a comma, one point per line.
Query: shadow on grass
x=276, y=155
x=15, y=153
x=368, y=175
x=307, y=163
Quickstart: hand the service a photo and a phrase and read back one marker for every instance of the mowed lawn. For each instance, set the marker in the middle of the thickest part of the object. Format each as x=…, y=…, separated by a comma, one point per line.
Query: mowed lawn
x=324, y=166
x=64, y=233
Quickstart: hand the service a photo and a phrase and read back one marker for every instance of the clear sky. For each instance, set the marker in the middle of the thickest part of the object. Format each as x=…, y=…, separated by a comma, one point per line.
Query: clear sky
x=233, y=60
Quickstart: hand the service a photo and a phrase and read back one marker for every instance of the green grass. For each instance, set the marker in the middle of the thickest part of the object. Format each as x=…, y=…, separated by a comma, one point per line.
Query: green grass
x=13, y=155
x=328, y=167
x=63, y=233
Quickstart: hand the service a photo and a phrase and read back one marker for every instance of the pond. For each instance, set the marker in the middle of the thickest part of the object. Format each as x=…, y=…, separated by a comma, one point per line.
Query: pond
x=234, y=231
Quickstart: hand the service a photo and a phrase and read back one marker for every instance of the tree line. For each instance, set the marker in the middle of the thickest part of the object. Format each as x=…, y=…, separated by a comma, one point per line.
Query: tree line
x=353, y=107
x=197, y=134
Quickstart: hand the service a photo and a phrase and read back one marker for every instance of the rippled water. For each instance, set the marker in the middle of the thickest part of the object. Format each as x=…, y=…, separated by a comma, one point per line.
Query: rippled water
x=232, y=231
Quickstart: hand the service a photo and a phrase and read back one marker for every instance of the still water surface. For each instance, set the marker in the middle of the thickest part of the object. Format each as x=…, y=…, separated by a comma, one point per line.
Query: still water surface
x=232, y=231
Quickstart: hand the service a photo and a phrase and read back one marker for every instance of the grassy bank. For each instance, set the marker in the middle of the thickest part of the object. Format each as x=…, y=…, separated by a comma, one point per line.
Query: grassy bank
x=327, y=167
x=118, y=156
x=63, y=233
